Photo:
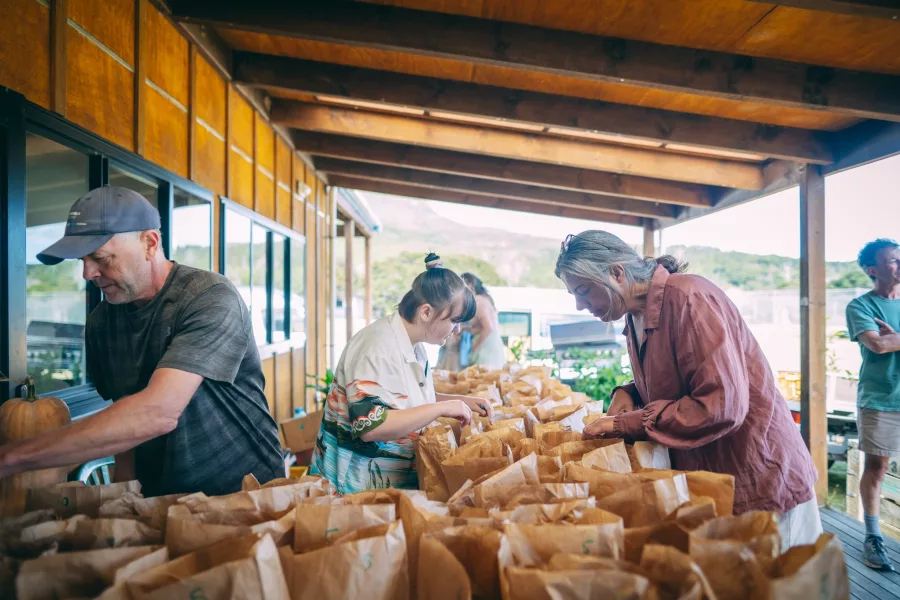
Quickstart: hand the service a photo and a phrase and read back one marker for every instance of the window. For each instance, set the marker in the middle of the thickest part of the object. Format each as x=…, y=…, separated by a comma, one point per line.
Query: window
x=55, y=314
x=144, y=187
x=191, y=231
x=280, y=316
x=514, y=324
x=298, y=290
x=236, y=264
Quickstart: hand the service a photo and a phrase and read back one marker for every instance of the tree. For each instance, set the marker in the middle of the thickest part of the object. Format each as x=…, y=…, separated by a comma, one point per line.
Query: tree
x=851, y=279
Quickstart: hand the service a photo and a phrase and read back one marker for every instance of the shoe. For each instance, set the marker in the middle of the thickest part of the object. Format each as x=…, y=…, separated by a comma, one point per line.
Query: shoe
x=874, y=554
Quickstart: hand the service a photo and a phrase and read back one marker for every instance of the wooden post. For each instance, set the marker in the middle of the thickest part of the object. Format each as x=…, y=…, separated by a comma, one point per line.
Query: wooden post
x=814, y=420
x=140, y=73
x=59, y=28
x=368, y=279
x=349, y=231
x=649, y=242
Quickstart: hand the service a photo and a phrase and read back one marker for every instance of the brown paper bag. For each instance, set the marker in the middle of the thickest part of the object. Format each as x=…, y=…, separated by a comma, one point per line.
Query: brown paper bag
x=152, y=511
x=674, y=574
x=818, y=569
x=649, y=503
x=669, y=534
x=434, y=446
x=534, y=545
x=522, y=472
x=612, y=457
x=74, y=574
x=475, y=549
x=571, y=511
x=317, y=526
x=696, y=512
x=510, y=436
x=82, y=533
x=474, y=460
x=550, y=469
x=575, y=450
x=75, y=498
x=453, y=583
x=370, y=567
x=454, y=424
x=718, y=486
x=600, y=483
x=528, y=446
x=737, y=553
x=272, y=501
x=535, y=584
x=509, y=497
x=648, y=455
x=188, y=532
x=119, y=590
x=245, y=567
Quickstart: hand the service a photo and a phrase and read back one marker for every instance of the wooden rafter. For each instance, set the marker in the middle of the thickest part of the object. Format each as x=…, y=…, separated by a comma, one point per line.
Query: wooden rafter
x=412, y=191
x=276, y=73
x=876, y=9
x=499, y=189
x=501, y=169
x=519, y=146
x=592, y=57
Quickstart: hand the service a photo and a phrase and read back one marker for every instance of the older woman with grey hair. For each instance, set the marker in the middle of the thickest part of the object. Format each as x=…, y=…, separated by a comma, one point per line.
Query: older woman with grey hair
x=702, y=386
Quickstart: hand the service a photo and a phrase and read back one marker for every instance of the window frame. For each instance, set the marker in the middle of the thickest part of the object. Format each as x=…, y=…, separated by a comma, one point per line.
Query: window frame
x=288, y=234
x=18, y=118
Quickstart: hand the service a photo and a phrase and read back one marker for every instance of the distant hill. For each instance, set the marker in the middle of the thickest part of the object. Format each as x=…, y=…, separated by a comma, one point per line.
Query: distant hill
x=410, y=229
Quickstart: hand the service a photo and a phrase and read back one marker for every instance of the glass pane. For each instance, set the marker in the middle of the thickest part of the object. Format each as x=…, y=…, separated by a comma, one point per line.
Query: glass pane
x=56, y=304
x=191, y=231
x=279, y=326
x=258, y=308
x=144, y=187
x=514, y=324
x=298, y=290
x=237, y=252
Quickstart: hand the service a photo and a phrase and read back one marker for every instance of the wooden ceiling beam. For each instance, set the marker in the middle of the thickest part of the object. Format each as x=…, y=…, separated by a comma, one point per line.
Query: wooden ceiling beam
x=566, y=53
x=876, y=9
x=516, y=145
x=499, y=189
x=413, y=191
x=501, y=169
x=276, y=73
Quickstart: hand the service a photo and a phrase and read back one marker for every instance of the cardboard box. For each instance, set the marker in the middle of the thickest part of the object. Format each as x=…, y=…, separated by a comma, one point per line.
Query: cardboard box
x=300, y=434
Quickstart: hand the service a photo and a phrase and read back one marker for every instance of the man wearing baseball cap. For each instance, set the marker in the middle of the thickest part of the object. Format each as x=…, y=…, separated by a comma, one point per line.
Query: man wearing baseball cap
x=173, y=347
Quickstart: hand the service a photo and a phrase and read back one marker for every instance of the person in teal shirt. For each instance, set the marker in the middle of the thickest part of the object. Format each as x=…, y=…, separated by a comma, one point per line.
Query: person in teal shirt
x=873, y=320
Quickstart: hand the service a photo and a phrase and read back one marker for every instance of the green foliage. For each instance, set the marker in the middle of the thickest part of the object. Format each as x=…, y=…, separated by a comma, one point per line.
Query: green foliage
x=517, y=346
x=596, y=373
x=851, y=279
x=63, y=277
x=322, y=385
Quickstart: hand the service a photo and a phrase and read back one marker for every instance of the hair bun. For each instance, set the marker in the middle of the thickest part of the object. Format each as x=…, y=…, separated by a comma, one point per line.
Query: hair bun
x=433, y=261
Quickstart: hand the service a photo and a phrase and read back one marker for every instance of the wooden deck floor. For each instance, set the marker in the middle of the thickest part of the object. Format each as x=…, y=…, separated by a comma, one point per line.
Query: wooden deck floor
x=864, y=582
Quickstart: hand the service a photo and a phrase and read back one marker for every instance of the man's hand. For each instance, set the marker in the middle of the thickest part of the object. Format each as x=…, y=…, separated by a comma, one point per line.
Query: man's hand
x=884, y=328
x=621, y=402
x=599, y=428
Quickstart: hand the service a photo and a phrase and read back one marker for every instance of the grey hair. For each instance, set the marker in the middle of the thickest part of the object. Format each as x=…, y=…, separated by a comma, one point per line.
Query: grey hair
x=592, y=254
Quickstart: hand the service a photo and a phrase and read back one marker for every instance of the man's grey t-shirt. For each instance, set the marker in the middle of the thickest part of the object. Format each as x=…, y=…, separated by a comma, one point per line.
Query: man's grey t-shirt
x=196, y=323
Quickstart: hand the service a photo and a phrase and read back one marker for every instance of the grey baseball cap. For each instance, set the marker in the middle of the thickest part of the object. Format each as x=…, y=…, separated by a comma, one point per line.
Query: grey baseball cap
x=96, y=217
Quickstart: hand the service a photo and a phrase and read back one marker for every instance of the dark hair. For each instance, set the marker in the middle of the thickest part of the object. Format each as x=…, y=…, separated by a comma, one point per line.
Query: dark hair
x=473, y=280
x=437, y=287
x=868, y=256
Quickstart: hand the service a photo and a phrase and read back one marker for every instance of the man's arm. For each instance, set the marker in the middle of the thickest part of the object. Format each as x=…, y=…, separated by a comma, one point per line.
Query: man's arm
x=129, y=422
x=883, y=341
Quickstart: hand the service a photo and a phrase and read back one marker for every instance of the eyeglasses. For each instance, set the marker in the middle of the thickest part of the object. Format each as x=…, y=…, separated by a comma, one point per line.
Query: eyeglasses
x=565, y=244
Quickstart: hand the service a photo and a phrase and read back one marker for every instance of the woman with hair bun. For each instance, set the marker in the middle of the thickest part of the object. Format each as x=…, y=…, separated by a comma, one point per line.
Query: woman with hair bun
x=383, y=393
x=702, y=386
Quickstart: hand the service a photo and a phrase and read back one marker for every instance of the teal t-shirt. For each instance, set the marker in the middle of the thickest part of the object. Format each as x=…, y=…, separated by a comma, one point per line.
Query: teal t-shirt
x=879, y=376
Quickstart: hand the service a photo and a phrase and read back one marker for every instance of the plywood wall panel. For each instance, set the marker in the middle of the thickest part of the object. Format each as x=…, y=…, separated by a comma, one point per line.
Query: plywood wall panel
x=283, y=382
x=265, y=168
x=311, y=297
x=25, y=50
x=166, y=133
x=268, y=368
x=167, y=53
x=110, y=21
x=298, y=378
x=99, y=91
x=241, y=127
x=209, y=159
x=298, y=206
x=211, y=97
x=241, y=175
x=283, y=180
x=241, y=140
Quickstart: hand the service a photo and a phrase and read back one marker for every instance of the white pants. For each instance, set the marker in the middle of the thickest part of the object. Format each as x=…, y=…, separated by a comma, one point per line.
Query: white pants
x=800, y=525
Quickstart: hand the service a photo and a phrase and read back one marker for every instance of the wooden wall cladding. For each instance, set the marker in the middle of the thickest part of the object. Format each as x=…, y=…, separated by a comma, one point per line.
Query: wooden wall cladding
x=211, y=114
x=111, y=22
x=283, y=180
x=265, y=168
x=25, y=49
x=283, y=382
x=167, y=54
x=311, y=297
x=166, y=132
x=298, y=379
x=99, y=91
x=241, y=142
x=298, y=205
x=321, y=279
x=268, y=368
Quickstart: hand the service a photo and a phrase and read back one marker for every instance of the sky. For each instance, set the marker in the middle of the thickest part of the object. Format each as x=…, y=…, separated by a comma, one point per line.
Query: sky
x=861, y=204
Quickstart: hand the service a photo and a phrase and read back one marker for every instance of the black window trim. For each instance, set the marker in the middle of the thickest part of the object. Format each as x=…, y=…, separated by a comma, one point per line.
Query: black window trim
x=271, y=226
x=19, y=117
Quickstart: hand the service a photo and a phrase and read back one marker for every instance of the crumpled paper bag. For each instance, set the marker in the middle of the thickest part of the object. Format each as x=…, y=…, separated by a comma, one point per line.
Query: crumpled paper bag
x=649, y=503
x=83, y=533
x=718, y=486
x=501, y=496
x=575, y=450
x=571, y=511
x=119, y=590
x=648, y=455
x=472, y=461
x=471, y=569
x=188, y=532
x=819, y=567
x=537, y=584
x=534, y=545
x=75, y=498
x=434, y=446
x=130, y=505
x=369, y=563
x=674, y=574
x=610, y=457
x=272, y=500
x=600, y=483
x=316, y=526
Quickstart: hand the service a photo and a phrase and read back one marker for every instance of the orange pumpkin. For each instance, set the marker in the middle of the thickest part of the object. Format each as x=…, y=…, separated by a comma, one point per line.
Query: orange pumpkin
x=22, y=418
